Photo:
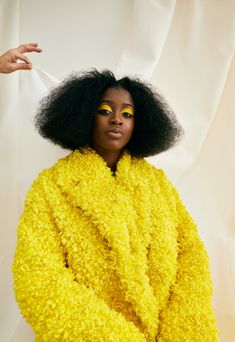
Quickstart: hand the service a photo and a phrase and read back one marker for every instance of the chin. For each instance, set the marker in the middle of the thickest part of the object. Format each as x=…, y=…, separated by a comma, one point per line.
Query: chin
x=111, y=145
x=115, y=147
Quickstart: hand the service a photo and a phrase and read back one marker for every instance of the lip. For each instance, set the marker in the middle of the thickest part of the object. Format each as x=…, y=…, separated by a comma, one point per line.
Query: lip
x=114, y=134
x=115, y=131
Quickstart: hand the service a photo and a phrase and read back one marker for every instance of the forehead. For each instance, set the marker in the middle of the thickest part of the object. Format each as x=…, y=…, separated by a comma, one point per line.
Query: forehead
x=118, y=95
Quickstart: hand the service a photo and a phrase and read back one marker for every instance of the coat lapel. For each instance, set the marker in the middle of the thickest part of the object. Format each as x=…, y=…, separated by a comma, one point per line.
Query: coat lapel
x=120, y=208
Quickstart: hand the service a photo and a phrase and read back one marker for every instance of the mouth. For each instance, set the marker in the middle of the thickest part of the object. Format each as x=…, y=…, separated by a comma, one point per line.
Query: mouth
x=114, y=133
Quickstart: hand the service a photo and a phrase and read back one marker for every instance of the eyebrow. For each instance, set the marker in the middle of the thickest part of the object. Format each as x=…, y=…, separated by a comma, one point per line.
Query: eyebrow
x=124, y=104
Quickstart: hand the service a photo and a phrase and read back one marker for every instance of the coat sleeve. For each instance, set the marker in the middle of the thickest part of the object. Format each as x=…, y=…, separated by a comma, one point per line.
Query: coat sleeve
x=57, y=307
x=188, y=315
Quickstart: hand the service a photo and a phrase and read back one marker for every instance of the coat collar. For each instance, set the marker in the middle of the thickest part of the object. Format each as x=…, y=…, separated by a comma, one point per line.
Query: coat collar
x=120, y=208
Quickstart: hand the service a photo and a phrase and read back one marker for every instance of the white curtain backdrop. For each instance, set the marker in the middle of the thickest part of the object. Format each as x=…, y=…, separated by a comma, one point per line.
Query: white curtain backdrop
x=186, y=49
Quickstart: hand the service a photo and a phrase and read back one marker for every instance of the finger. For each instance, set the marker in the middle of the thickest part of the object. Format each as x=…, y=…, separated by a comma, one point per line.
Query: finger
x=35, y=44
x=22, y=57
x=21, y=66
x=31, y=47
x=28, y=48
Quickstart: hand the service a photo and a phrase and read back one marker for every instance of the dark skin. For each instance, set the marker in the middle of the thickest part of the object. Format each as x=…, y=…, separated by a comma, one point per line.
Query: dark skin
x=114, y=124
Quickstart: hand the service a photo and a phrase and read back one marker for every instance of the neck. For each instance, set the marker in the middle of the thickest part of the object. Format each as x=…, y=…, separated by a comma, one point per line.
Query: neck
x=110, y=157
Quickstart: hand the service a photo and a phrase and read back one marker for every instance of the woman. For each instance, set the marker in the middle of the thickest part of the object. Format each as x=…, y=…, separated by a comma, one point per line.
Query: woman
x=106, y=250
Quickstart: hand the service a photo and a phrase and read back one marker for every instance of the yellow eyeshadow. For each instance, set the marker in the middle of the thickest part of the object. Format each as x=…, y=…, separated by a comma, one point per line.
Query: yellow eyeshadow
x=105, y=107
x=128, y=110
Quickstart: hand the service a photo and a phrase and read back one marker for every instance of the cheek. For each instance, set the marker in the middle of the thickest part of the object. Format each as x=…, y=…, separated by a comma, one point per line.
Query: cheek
x=99, y=129
x=99, y=124
x=130, y=127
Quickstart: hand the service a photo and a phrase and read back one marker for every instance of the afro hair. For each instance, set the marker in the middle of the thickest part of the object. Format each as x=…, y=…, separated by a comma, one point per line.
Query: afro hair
x=66, y=116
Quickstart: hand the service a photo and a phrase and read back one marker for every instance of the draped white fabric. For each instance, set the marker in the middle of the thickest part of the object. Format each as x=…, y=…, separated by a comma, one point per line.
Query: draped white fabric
x=186, y=49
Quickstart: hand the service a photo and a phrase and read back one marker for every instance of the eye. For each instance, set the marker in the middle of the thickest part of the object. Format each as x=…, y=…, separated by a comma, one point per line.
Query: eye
x=104, y=109
x=128, y=113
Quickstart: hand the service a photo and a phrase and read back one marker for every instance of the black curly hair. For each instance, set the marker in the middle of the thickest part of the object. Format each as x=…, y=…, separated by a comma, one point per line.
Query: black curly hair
x=67, y=114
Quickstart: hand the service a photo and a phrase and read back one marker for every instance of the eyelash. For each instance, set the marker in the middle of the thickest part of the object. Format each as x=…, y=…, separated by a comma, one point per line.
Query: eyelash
x=104, y=111
x=127, y=115
x=107, y=112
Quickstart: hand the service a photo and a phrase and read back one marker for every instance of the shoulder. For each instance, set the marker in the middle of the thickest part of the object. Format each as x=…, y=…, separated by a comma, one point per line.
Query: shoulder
x=156, y=177
x=44, y=179
x=160, y=180
x=149, y=170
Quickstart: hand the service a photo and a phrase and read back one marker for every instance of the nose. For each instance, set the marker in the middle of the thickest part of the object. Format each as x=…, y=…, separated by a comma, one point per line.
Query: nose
x=116, y=118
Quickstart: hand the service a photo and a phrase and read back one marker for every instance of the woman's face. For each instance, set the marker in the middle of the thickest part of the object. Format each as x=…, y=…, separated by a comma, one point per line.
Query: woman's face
x=114, y=122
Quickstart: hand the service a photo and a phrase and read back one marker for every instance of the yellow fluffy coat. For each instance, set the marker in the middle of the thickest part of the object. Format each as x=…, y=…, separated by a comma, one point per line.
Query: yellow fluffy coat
x=103, y=258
